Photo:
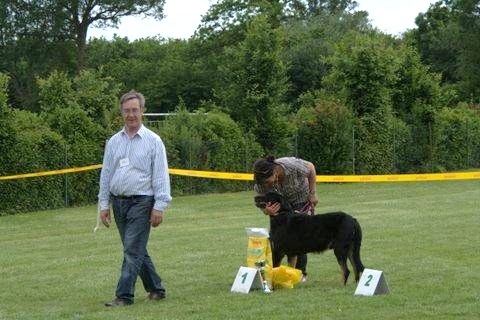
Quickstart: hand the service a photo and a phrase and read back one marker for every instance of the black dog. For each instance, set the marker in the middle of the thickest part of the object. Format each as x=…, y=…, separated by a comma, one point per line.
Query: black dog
x=293, y=234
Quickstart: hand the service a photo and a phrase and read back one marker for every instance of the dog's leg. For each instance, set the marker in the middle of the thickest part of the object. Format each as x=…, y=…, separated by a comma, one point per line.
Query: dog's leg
x=354, y=252
x=357, y=265
x=351, y=258
x=341, y=254
x=292, y=261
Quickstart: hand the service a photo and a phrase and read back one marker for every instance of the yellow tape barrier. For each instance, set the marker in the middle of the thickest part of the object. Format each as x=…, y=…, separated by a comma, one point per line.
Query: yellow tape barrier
x=402, y=177
x=51, y=173
x=249, y=176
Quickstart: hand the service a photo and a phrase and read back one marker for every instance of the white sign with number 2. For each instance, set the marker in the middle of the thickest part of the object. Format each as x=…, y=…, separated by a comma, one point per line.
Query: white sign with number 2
x=372, y=282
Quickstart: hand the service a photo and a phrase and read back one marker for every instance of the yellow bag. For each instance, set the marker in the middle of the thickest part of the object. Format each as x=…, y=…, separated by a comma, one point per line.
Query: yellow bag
x=285, y=277
x=260, y=252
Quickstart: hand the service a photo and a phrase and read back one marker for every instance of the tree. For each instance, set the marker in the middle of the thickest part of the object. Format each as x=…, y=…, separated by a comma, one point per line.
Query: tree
x=32, y=43
x=227, y=20
x=309, y=8
x=37, y=37
x=102, y=13
x=165, y=71
x=230, y=17
x=369, y=74
x=457, y=130
x=3, y=94
x=253, y=85
x=363, y=72
x=416, y=84
x=447, y=39
x=325, y=136
x=70, y=19
x=308, y=46
x=437, y=39
x=469, y=21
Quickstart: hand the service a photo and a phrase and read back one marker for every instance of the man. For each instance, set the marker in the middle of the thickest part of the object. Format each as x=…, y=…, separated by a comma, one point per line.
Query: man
x=135, y=178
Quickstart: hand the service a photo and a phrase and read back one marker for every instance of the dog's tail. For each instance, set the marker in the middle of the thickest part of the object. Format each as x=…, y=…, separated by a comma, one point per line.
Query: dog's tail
x=354, y=255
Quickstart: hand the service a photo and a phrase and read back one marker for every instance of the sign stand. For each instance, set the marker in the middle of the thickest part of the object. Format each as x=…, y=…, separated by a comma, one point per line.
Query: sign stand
x=246, y=280
x=372, y=282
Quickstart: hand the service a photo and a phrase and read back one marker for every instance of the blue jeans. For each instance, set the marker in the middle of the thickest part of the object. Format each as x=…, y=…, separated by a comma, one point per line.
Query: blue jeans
x=132, y=217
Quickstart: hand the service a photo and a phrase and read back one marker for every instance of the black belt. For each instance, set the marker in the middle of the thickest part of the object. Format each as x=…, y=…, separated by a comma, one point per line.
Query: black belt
x=135, y=196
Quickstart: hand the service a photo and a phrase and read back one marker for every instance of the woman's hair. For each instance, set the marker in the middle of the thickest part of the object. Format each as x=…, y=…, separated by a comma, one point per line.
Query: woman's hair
x=263, y=169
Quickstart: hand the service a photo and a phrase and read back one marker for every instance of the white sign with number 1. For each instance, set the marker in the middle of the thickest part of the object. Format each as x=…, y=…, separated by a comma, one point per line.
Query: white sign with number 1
x=247, y=279
x=372, y=282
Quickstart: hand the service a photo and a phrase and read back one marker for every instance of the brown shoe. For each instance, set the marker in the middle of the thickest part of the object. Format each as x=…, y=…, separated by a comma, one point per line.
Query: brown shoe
x=156, y=295
x=117, y=302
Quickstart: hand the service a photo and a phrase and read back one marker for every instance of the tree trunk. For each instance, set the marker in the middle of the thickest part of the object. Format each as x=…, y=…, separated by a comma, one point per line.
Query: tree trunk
x=81, y=41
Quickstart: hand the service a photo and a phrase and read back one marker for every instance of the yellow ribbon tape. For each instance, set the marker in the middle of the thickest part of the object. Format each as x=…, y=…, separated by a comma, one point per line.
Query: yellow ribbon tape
x=401, y=177
x=249, y=176
x=50, y=173
x=212, y=174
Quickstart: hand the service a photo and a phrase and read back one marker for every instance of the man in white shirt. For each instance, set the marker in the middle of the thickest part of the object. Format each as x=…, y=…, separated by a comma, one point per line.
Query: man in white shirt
x=135, y=180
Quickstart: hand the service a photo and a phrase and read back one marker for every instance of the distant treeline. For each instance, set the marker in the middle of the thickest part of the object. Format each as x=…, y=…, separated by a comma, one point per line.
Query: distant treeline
x=307, y=78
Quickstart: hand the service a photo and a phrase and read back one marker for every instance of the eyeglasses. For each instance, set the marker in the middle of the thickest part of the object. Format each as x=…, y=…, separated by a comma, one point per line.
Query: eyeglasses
x=135, y=112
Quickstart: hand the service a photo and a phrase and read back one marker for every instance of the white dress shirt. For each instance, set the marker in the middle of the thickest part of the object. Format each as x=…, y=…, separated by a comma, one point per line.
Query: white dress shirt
x=135, y=166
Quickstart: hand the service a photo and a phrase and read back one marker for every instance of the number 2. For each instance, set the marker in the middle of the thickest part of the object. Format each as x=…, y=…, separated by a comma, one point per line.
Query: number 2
x=369, y=278
x=244, y=277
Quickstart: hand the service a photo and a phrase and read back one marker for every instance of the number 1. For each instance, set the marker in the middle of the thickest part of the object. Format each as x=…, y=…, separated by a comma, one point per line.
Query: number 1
x=244, y=276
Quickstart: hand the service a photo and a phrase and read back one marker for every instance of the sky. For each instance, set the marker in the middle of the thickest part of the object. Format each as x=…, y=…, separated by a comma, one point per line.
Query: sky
x=183, y=17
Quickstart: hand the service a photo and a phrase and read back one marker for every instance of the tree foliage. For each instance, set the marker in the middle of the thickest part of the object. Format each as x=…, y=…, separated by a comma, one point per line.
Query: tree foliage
x=310, y=78
x=447, y=39
x=363, y=72
x=208, y=141
x=325, y=136
x=55, y=32
x=254, y=84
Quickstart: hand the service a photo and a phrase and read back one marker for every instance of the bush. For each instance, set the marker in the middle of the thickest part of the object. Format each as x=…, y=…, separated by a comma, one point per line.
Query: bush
x=62, y=136
x=81, y=111
x=97, y=96
x=458, y=131
x=380, y=143
x=325, y=137
x=211, y=141
x=84, y=146
x=35, y=148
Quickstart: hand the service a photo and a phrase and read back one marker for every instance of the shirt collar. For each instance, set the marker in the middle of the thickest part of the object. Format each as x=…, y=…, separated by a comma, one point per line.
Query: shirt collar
x=141, y=132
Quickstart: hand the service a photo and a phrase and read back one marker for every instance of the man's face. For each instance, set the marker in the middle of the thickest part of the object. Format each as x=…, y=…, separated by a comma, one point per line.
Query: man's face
x=132, y=114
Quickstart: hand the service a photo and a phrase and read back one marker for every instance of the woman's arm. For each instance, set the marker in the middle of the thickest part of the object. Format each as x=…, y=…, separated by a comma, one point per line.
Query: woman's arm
x=312, y=184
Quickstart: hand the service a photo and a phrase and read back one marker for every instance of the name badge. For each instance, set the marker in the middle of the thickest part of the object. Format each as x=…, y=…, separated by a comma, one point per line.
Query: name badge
x=124, y=162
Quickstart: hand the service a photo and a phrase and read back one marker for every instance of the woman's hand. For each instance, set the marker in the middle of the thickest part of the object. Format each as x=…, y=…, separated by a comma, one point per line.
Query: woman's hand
x=312, y=198
x=271, y=209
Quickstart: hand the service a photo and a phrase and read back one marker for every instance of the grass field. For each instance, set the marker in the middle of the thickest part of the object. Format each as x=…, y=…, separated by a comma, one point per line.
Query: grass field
x=424, y=236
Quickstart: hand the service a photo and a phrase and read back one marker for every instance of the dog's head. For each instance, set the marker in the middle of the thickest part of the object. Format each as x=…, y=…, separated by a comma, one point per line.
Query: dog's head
x=273, y=197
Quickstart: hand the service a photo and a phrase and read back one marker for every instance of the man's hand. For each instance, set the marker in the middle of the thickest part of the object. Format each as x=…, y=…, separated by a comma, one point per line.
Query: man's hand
x=105, y=216
x=271, y=209
x=156, y=217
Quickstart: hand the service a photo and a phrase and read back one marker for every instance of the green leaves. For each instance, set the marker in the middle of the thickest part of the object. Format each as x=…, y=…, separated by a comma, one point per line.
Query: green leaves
x=447, y=39
x=325, y=136
x=254, y=85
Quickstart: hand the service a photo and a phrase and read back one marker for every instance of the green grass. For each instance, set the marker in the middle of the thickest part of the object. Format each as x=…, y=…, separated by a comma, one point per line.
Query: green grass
x=424, y=236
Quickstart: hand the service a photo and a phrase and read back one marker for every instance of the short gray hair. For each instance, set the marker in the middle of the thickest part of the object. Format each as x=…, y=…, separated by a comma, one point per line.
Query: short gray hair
x=132, y=94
